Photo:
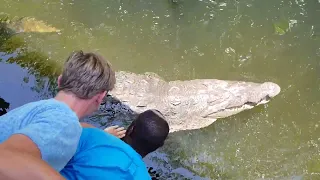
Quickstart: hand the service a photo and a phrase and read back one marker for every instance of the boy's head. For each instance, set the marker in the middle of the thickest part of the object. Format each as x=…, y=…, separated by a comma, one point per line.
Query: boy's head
x=147, y=132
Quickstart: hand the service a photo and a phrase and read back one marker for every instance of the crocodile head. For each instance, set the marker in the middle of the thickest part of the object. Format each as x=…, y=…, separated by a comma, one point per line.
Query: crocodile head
x=256, y=96
x=230, y=100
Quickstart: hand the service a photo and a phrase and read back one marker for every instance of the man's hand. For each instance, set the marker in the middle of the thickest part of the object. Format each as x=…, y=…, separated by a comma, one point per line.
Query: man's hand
x=117, y=131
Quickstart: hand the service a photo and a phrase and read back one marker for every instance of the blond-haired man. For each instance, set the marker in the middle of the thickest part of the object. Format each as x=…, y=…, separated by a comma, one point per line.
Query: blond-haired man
x=44, y=134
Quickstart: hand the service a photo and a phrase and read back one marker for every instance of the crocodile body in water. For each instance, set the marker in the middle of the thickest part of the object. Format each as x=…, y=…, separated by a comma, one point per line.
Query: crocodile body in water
x=26, y=25
x=187, y=105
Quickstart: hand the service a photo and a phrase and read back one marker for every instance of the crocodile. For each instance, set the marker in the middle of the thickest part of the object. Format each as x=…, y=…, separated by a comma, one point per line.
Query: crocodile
x=187, y=105
x=27, y=24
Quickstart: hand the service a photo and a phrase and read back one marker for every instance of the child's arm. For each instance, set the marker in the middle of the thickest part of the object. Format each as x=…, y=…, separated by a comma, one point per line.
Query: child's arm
x=114, y=130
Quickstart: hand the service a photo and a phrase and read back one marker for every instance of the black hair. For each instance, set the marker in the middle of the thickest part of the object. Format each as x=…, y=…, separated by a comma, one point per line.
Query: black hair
x=149, y=131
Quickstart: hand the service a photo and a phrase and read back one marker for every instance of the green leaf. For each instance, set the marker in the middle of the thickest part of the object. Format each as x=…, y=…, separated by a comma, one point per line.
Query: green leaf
x=281, y=27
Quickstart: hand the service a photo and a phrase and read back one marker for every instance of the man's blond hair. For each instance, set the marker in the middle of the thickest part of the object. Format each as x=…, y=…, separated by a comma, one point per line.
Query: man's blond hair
x=86, y=75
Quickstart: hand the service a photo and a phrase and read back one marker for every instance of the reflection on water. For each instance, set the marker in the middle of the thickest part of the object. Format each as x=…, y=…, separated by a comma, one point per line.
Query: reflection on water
x=251, y=40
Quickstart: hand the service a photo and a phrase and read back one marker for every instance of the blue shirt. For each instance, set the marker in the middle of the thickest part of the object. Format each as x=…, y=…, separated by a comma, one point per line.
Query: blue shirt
x=102, y=156
x=50, y=124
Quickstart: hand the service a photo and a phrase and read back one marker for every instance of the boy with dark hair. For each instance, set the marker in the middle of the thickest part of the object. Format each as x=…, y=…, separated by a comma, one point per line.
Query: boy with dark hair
x=101, y=155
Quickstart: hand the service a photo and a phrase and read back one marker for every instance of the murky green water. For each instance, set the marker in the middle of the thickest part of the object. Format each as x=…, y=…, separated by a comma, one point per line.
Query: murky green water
x=251, y=40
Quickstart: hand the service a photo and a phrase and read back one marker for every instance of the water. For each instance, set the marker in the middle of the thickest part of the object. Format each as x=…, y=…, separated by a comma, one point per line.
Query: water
x=251, y=40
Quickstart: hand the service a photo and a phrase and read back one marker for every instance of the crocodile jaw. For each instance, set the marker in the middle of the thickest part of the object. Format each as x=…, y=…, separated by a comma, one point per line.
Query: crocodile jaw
x=205, y=121
x=268, y=92
x=234, y=110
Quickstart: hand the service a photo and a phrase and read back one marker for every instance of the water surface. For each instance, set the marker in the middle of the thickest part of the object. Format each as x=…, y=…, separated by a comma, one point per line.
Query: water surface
x=251, y=40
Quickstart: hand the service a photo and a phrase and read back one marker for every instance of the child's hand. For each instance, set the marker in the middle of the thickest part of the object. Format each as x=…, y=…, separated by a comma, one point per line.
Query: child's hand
x=116, y=131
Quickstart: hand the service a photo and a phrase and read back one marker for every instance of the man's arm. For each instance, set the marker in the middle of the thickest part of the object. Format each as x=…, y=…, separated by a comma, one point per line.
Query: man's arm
x=21, y=159
x=52, y=136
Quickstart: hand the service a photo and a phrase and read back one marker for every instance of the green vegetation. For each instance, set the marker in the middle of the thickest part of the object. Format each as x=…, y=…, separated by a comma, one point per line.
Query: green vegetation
x=37, y=63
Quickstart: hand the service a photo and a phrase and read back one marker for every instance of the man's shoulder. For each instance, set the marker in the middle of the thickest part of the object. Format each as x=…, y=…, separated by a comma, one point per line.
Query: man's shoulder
x=50, y=124
x=50, y=112
x=52, y=105
x=42, y=107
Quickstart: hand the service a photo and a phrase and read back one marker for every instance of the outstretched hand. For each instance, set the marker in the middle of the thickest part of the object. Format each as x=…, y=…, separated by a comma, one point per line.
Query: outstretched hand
x=116, y=131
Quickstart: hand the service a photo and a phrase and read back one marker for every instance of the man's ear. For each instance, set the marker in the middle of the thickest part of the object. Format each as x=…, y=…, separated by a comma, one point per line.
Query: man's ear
x=101, y=96
x=59, y=80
